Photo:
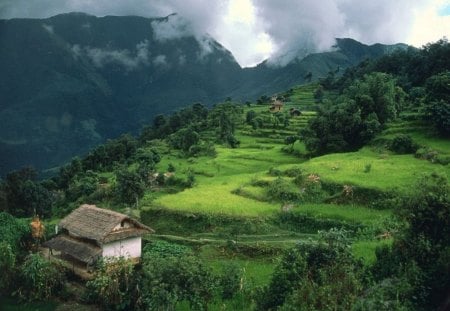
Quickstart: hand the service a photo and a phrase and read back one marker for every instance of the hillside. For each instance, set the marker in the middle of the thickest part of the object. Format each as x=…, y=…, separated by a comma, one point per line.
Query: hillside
x=71, y=81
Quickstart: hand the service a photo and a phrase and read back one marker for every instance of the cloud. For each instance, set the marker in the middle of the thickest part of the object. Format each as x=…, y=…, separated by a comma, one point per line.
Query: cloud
x=174, y=27
x=160, y=60
x=256, y=29
x=48, y=28
x=102, y=57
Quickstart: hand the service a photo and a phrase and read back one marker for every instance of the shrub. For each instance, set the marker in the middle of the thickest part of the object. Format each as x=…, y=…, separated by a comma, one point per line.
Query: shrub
x=403, y=144
x=230, y=280
x=282, y=190
x=170, y=280
x=113, y=285
x=40, y=278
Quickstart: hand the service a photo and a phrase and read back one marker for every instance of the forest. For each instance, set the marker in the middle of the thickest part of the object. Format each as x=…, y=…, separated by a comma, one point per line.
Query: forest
x=343, y=206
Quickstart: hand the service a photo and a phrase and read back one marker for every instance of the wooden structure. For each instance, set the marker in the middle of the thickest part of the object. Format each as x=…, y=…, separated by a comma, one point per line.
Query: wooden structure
x=276, y=106
x=294, y=112
x=90, y=233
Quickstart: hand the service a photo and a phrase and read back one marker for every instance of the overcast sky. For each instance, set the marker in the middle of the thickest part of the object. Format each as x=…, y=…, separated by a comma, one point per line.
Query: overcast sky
x=254, y=30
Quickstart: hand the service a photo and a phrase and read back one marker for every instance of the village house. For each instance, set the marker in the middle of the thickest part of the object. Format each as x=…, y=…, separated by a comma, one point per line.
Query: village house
x=90, y=233
x=276, y=106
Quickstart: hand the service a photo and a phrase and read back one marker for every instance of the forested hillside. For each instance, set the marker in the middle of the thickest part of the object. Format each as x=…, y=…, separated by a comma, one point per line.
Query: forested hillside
x=72, y=81
x=338, y=201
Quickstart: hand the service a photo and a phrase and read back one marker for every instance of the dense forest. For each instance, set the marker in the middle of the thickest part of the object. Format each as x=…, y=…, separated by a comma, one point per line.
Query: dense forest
x=360, y=113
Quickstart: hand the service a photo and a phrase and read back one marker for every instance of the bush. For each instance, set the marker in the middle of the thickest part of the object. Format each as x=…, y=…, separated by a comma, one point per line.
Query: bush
x=282, y=190
x=40, y=278
x=113, y=286
x=170, y=280
x=403, y=144
x=230, y=280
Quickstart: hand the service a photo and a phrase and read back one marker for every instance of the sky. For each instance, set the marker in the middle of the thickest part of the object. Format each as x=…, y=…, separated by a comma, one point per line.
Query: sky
x=255, y=30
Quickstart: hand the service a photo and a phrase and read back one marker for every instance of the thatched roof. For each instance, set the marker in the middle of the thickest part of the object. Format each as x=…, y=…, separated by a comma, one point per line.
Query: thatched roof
x=81, y=250
x=101, y=225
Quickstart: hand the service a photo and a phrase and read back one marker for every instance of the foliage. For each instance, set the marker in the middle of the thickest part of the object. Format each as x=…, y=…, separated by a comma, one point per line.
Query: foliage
x=306, y=277
x=357, y=117
x=438, y=101
x=15, y=232
x=170, y=280
x=164, y=249
x=25, y=196
x=40, y=278
x=403, y=144
x=7, y=266
x=420, y=253
x=130, y=186
x=230, y=281
x=115, y=285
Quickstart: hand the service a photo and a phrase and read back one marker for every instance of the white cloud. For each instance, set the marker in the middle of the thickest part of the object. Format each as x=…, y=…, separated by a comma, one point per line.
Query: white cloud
x=102, y=57
x=256, y=29
x=160, y=60
x=429, y=25
x=48, y=28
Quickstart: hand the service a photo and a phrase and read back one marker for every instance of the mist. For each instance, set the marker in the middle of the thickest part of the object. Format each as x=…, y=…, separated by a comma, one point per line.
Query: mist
x=282, y=30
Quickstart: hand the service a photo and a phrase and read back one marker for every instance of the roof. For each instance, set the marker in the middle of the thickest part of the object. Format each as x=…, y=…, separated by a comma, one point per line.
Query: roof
x=98, y=224
x=80, y=250
x=277, y=103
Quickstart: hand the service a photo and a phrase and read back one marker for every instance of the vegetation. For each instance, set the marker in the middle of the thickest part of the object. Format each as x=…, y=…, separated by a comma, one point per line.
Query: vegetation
x=343, y=207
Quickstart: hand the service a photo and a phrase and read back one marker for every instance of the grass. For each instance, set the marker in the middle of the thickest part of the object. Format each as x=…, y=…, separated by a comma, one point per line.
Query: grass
x=356, y=213
x=387, y=171
x=365, y=250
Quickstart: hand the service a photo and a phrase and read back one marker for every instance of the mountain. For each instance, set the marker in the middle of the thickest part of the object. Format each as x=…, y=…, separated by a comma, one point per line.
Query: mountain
x=73, y=80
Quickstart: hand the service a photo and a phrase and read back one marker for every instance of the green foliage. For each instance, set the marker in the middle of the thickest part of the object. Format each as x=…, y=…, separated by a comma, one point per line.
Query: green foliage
x=314, y=276
x=356, y=118
x=169, y=280
x=230, y=280
x=25, y=196
x=130, y=187
x=438, y=101
x=7, y=266
x=419, y=253
x=164, y=249
x=403, y=144
x=114, y=286
x=40, y=278
x=15, y=232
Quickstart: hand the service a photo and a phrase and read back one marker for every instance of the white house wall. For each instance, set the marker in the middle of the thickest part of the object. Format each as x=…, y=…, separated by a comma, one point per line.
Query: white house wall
x=130, y=248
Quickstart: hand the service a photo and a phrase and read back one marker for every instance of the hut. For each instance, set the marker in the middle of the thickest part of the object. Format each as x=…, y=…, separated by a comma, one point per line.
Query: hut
x=90, y=233
x=294, y=112
x=276, y=106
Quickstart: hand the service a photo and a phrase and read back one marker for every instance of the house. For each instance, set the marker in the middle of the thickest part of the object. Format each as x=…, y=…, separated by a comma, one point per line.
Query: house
x=295, y=112
x=90, y=233
x=276, y=106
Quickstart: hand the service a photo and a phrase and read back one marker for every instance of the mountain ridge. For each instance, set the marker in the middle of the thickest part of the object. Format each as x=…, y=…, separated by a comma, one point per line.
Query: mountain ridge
x=73, y=80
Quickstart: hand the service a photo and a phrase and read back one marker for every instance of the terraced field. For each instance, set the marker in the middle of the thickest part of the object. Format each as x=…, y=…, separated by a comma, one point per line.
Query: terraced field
x=231, y=203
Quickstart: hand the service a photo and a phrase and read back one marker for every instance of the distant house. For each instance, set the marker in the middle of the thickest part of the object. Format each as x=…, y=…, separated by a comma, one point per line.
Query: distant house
x=295, y=112
x=90, y=233
x=276, y=106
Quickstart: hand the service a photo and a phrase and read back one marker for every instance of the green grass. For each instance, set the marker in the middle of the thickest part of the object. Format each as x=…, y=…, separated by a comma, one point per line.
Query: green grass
x=366, y=249
x=356, y=213
x=388, y=172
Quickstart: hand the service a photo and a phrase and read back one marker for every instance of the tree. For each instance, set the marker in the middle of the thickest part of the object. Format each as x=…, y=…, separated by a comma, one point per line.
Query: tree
x=318, y=94
x=421, y=252
x=314, y=277
x=169, y=280
x=115, y=285
x=26, y=197
x=40, y=278
x=129, y=187
x=356, y=116
x=438, y=101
